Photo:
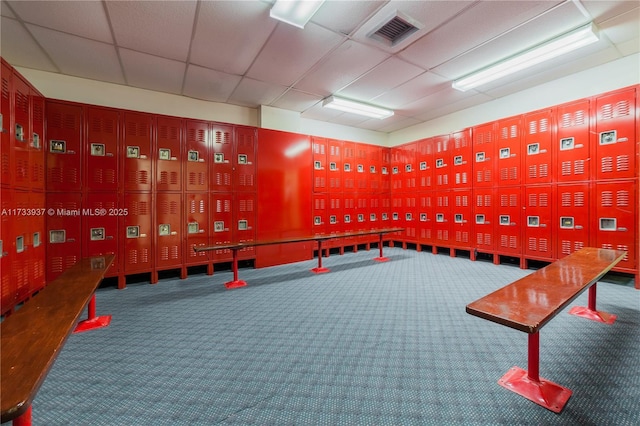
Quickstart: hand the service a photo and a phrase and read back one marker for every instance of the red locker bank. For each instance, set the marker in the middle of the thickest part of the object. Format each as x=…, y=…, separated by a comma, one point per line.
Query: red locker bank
x=196, y=158
x=426, y=164
x=508, y=151
x=6, y=153
x=168, y=232
x=572, y=221
x=169, y=156
x=197, y=228
x=137, y=152
x=64, y=232
x=425, y=217
x=101, y=152
x=223, y=156
x=537, y=221
x=484, y=220
x=462, y=219
x=461, y=159
x=21, y=132
x=484, y=164
x=572, y=144
x=136, y=232
x=221, y=225
x=537, y=147
x=100, y=232
x=64, y=152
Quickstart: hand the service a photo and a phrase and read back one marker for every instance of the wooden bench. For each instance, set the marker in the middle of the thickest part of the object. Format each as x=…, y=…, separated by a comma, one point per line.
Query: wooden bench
x=318, y=238
x=33, y=336
x=530, y=302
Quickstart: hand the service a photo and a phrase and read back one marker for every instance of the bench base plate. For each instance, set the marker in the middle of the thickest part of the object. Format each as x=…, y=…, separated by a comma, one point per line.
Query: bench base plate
x=320, y=270
x=543, y=392
x=584, y=312
x=235, y=284
x=93, y=323
x=381, y=259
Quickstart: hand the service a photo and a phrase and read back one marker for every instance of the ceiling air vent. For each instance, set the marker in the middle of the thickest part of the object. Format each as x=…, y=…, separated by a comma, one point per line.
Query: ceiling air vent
x=395, y=29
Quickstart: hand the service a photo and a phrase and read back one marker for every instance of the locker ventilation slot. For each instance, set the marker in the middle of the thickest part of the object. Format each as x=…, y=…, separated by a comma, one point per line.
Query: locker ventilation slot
x=394, y=30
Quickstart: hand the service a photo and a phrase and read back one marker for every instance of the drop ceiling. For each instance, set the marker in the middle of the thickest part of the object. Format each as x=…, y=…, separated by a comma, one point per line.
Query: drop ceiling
x=233, y=52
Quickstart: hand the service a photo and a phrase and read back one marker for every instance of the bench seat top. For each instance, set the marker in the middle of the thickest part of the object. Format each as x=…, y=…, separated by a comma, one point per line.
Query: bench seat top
x=530, y=302
x=32, y=337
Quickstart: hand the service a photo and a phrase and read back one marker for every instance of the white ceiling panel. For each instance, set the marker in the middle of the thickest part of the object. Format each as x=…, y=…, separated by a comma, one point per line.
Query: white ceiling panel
x=18, y=44
x=294, y=100
x=82, y=18
x=602, y=10
x=80, y=57
x=291, y=51
x=161, y=28
x=209, y=85
x=344, y=17
x=413, y=90
x=229, y=35
x=623, y=28
x=254, y=93
x=6, y=11
x=151, y=72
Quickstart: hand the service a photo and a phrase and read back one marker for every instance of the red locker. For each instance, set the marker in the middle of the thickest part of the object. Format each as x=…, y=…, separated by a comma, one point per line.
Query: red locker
x=362, y=168
x=21, y=132
x=101, y=149
x=196, y=158
x=6, y=124
x=137, y=152
x=426, y=164
x=410, y=219
x=374, y=211
x=425, y=217
x=349, y=212
x=245, y=158
x=64, y=124
x=335, y=167
x=373, y=168
x=137, y=233
x=408, y=168
x=36, y=151
x=335, y=217
x=616, y=136
x=572, y=147
x=7, y=250
x=572, y=218
x=222, y=163
x=385, y=210
x=484, y=219
x=616, y=219
x=508, y=152
x=245, y=222
x=442, y=212
x=197, y=227
x=442, y=149
x=221, y=226
x=320, y=214
x=385, y=170
x=509, y=225
x=537, y=147
x=169, y=154
x=349, y=166
x=462, y=218
x=484, y=143
x=168, y=230
x=64, y=232
x=363, y=211
x=320, y=166
x=21, y=262
x=100, y=233
x=462, y=163
x=397, y=163
x=538, y=223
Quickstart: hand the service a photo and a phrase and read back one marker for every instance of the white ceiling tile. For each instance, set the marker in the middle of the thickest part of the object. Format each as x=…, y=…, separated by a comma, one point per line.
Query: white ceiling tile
x=413, y=90
x=295, y=100
x=344, y=17
x=297, y=49
x=253, y=93
x=22, y=51
x=82, y=18
x=209, y=85
x=80, y=57
x=229, y=34
x=340, y=68
x=603, y=10
x=161, y=28
x=151, y=72
x=5, y=10
x=623, y=27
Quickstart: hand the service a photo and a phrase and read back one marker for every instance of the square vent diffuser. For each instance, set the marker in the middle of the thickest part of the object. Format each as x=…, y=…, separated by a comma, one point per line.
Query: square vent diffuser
x=395, y=29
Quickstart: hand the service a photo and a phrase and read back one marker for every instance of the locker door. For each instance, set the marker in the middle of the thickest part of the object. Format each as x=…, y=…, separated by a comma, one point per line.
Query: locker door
x=442, y=149
x=616, y=135
x=538, y=222
x=222, y=161
x=385, y=210
x=320, y=213
x=385, y=170
x=572, y=218
x=7, y=250
x=362, y=216
x=462, y=164
x=349, y=166
x=6, y=124
x=335, y=167
x=320, y=166
x=572, y=144
x=137, y=233
x=335, y=216
x=442, y=212
x=537, y=148
x=349, y=217
x=373, y=169
x=168, y=230
x=411, y=222
x=508, y=151
x=245, y=159
x=426, y=164
x=22, y=237
x=509, y=226
x=196, y=157
x=462, y=221
x=36, y=151
x=100, y=227
x=101, y=150
x=425, y=218
x=221, y=226
x=169, y=154
x=409, y=167
x=197, y=227
x=37, y=230
x=21, y=133
x=484, y=219
x=616, y=219
x=64, y=123
x=374, y=211
x=397, y=163
x=137, y=153
x=484, y=143
x=362, y=168
x=245, y=222
x=64, y=232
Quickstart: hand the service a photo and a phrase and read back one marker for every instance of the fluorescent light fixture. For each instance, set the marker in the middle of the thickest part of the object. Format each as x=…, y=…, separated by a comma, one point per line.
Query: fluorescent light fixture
x=356, y=107
x=572, y=40
x=295, y=12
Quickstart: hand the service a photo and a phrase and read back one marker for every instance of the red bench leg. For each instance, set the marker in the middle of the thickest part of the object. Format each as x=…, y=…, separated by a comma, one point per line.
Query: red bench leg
x=236, y=282
x=529, y=384
x=319, y=269
x=93, y=321
x=381, y=258
x=590, y=312
x=24, y=419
